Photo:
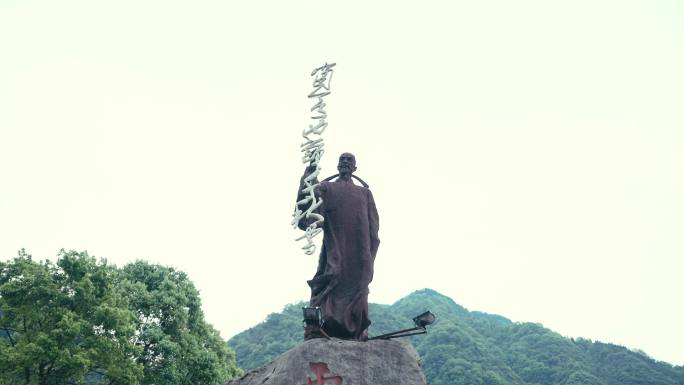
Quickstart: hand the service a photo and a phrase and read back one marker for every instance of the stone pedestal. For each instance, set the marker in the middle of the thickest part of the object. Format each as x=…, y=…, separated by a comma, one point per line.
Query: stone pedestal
x=339, y=362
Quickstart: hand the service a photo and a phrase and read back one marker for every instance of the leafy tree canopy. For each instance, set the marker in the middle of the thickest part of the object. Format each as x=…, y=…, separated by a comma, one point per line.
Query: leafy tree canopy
x=82, y=321
x=178, y=346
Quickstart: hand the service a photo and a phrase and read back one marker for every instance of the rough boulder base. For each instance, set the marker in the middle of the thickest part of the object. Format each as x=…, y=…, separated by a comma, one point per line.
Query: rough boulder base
x=341, y=362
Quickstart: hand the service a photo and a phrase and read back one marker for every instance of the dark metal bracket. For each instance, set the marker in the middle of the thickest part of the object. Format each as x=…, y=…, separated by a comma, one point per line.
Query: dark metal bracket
x=353, y=176
x=401, y=333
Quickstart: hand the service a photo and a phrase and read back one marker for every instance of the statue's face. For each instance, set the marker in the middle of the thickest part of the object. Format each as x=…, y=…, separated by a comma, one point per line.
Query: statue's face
x=347, y=163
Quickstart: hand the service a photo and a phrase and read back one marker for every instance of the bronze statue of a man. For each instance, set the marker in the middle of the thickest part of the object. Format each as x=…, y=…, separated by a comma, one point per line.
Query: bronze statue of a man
x=350, y=243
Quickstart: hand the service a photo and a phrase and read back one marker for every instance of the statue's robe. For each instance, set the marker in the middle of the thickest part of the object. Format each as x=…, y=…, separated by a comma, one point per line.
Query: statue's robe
x=345, y=264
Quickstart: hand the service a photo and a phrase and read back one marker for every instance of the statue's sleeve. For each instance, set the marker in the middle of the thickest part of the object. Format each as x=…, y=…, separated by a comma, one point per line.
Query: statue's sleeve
x=319, y=191
x=374, y=224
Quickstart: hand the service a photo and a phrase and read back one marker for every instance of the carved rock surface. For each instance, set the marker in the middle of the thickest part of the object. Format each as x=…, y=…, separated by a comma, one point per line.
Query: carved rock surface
x=340, y=362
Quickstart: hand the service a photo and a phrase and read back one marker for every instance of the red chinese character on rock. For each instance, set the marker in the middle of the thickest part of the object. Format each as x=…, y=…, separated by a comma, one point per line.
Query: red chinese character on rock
x=320, y=369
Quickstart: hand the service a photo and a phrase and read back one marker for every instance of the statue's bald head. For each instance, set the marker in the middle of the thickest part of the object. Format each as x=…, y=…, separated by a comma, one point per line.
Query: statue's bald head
x=349, y=156
x=347, y=163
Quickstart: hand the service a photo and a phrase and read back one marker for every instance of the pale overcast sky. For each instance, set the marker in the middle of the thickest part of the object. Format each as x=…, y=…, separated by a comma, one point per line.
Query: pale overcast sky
x=526, y=157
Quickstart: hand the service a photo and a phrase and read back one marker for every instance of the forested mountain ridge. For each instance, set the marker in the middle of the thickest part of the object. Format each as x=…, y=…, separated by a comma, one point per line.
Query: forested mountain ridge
x=475, y=348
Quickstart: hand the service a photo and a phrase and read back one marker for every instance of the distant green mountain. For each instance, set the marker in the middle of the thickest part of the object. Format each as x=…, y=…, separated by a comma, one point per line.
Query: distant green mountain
x=474, y=348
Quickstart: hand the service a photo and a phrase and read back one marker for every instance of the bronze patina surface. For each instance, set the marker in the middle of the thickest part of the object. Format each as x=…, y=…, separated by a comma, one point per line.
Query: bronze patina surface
x=350, y=243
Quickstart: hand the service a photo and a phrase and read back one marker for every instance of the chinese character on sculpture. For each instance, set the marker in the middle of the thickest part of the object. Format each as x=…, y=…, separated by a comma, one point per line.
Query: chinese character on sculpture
x=321, y=369
x=350, y=243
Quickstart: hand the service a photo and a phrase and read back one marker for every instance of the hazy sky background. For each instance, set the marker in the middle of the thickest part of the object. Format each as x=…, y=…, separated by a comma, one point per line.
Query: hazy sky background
x=526, y=157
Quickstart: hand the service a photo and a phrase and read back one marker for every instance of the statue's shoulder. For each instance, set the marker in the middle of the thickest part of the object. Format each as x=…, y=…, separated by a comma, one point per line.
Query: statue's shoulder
x=363, y=190
x=323, y=186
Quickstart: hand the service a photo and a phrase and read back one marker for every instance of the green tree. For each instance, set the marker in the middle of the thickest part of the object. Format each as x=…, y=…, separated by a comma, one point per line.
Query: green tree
x=179, y=347
x=63, y=323
x=79, y=321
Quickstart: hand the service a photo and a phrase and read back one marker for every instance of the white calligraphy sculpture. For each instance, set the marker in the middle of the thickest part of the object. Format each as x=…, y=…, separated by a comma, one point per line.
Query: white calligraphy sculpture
x=312, y=149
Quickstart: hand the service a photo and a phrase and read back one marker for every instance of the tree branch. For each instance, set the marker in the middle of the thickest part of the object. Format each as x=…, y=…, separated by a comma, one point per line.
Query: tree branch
x=7, y=331
x=47, y=372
